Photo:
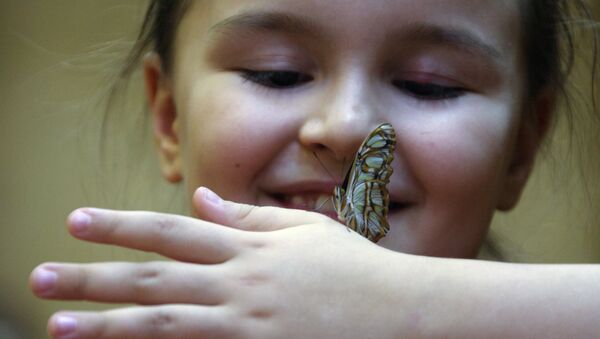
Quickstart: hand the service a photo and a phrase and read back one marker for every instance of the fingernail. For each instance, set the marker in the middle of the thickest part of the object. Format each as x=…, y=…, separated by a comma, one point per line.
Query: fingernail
x=44, y=281
x=79, y=221
x=64, y=325
x=211, y=197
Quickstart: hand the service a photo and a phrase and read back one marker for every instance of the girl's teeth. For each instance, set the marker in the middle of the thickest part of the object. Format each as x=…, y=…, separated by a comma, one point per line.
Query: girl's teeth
x=308, y=201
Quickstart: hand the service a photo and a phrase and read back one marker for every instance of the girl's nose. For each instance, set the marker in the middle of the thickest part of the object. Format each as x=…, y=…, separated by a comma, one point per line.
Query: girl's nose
x=342, y=116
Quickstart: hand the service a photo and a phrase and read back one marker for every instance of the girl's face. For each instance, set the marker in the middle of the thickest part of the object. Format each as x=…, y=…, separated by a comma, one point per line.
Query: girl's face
x=268, y=101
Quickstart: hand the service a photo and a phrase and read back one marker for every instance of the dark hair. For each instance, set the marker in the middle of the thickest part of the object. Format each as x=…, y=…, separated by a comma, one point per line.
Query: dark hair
x=157, y=33
x=545, y=22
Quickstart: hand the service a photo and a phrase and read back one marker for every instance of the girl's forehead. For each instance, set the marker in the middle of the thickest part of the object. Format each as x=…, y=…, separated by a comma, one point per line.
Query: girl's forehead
x=491, y=26
x=340, y=13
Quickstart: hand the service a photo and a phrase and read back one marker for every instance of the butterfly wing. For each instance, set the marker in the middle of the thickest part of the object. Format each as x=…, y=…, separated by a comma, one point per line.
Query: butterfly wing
x=362, y=201
x=376, y=153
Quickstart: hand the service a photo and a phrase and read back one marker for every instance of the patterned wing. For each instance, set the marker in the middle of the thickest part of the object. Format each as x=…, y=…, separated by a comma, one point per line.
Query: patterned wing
x=362, y=201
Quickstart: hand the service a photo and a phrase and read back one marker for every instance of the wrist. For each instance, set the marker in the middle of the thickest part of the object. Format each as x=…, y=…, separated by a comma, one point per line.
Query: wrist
x=431, y=297
x=404, y=287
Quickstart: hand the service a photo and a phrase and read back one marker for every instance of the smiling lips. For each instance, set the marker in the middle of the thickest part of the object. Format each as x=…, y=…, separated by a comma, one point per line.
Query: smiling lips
x=308, y=195
x=320, y=200
x=309, y=201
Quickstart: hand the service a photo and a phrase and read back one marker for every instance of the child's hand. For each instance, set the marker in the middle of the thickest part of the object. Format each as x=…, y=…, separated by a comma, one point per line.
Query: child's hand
x=312, y=278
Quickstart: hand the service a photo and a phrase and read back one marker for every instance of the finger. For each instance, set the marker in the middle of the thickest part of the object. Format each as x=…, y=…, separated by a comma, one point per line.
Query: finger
x=211, y=207
x=170, y=321
x=140, y=283
x=177, y=237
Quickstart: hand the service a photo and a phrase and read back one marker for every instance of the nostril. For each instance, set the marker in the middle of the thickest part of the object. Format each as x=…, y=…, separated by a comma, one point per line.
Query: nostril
x=317, y=147
x=395, y=206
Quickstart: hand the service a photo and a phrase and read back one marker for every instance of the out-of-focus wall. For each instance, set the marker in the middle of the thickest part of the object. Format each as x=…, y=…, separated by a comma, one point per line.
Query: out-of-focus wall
x=52, y=62
x=54, y=55
x=558, y=218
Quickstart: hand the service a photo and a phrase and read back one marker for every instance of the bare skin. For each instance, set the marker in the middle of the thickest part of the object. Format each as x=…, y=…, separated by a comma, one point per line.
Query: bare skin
x=273, y=273
x=447, y=75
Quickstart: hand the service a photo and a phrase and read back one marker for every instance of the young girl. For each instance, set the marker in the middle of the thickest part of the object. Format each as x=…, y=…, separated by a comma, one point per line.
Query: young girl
x=255, y=101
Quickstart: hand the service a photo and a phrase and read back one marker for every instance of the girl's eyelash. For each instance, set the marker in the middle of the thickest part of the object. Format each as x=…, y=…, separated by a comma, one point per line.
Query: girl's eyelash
x=276, y=79
x=284, y=79
x=428, y=91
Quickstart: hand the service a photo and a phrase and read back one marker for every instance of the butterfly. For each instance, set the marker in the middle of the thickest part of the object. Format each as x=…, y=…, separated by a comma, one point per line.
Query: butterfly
x=362, y=201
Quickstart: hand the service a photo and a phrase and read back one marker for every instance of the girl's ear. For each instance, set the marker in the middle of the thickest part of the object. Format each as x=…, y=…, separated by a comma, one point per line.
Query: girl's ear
x=533, y=127
x=162, y=105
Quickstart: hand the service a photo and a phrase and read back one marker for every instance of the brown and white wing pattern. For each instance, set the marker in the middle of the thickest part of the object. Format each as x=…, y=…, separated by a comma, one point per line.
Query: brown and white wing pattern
x=362, y=201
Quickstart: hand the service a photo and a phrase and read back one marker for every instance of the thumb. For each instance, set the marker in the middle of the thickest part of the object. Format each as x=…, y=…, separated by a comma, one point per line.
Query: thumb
x=210, y=207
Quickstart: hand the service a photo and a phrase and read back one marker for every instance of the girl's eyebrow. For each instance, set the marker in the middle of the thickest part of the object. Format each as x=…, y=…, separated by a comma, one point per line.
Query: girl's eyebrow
x=455, y=37
x=458, y=38
x=269, y=21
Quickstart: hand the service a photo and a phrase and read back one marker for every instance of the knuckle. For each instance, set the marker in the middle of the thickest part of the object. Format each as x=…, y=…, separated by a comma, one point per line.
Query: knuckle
x=111, y=226
x=253, y=279
x=254, y=243
x=161, y=322
x=257, y=322
x=245, y=213
x=81, y=282
x=164, y=224
x=147, y=277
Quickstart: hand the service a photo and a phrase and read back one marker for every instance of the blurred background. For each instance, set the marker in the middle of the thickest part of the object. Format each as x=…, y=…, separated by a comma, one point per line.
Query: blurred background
x=55, y=65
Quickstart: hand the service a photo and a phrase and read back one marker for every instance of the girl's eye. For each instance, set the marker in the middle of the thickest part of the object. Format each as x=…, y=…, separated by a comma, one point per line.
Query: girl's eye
x=276, y=79
x=428, y=91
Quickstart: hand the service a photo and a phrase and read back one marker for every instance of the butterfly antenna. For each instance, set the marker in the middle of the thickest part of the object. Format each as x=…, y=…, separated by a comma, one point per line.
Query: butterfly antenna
x=323, y=203
x=323, y=165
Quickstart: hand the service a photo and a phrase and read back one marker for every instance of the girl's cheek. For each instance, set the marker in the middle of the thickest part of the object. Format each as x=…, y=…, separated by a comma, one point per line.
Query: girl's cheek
x=229, y=139
x=464, y=152
x=458, y=166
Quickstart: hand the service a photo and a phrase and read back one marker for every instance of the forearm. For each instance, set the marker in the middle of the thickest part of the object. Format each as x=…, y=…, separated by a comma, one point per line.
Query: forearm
x=476, y=299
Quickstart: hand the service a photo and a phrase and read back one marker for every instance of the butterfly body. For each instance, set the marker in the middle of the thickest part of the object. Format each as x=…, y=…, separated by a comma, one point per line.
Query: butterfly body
x=362, y=201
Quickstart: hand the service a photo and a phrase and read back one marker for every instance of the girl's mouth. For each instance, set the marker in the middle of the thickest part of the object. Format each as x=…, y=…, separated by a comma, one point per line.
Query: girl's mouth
x=321, y=203
x=317, y=202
